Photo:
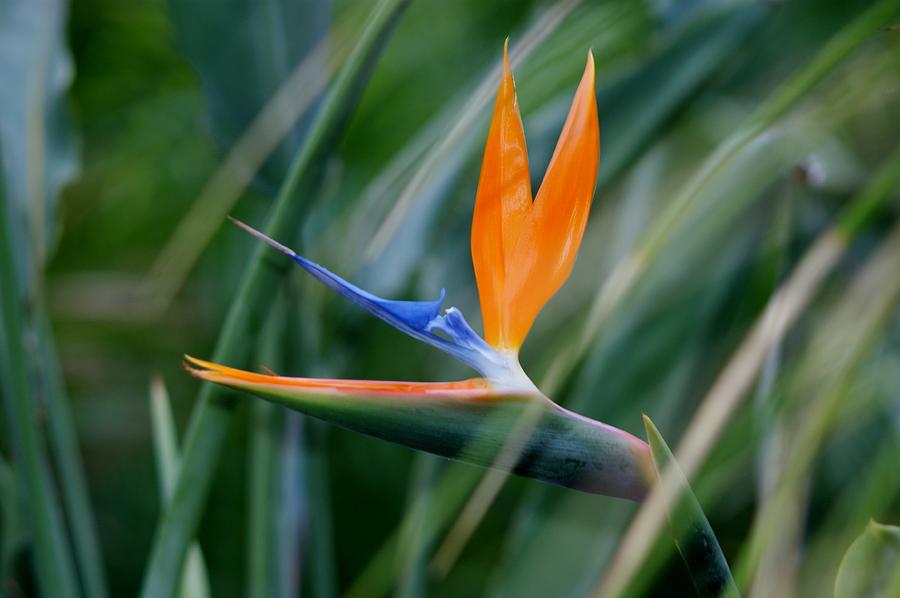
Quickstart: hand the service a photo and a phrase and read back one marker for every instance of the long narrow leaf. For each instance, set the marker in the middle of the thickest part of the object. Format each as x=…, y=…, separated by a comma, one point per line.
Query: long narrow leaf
x=195, y=583
x=55, y=569
x=692, y=533
x=306, y=471
x=65, y=452
x=263, y=497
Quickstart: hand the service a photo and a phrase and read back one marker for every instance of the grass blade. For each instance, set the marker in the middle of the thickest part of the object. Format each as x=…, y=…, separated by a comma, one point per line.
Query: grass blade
x=212, y=414
x=264, y=506
x=195, y=583
x=692, y=533
x=306, y=478
x=55, y=568
x=321, y=533
x=66, y=455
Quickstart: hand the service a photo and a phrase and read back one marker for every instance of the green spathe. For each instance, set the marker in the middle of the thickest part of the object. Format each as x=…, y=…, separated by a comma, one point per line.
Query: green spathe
x=560, y=448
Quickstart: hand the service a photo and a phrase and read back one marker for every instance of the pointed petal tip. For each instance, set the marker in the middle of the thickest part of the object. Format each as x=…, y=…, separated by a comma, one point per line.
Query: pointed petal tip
x=263, y=237
x=191, y=367
x=156, y=378
x=208, y=370
x=190, y=360
x=589, y=69
x=196, y=367
x=507, y=70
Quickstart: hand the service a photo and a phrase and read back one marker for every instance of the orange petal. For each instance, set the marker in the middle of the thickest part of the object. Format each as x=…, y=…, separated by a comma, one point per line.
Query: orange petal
x=546, y=248
x=220, y=374
x=502, y=205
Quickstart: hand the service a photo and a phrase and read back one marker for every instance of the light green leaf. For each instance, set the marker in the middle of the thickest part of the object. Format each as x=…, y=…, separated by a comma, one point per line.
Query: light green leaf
x=195, y=583
x=40, y=153
x=871, y=566
x=693, y=535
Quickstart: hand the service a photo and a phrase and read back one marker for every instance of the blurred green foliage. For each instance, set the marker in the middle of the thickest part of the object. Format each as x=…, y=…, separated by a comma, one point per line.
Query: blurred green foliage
x=160, y=92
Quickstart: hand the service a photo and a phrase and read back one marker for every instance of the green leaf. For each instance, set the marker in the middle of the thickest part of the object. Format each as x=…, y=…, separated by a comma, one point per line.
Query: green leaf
x=270, y=524
x=67, y=460
x=692, y=533
x=53, y=558
x=40, y=156
x=39, y=143
x=195, y=583
x=871, y=566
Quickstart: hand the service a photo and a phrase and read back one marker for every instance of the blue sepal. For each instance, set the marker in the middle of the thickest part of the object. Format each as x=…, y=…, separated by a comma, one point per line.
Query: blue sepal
x=419, y=319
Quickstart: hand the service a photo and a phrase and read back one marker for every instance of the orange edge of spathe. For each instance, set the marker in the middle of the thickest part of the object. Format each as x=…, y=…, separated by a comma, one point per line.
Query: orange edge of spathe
x=473, y=388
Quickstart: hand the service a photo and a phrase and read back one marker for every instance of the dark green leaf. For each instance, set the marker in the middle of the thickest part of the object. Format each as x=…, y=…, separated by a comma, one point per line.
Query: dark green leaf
x=692, y=533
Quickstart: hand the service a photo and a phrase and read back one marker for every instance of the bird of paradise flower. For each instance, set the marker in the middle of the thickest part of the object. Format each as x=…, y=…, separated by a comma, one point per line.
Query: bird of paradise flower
x=523, y=250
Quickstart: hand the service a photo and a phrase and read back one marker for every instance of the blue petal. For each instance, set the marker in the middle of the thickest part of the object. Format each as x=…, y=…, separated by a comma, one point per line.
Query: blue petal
x=419, y=319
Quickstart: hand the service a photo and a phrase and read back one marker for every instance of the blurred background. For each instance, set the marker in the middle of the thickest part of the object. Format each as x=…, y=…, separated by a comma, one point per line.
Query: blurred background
x=734, y=136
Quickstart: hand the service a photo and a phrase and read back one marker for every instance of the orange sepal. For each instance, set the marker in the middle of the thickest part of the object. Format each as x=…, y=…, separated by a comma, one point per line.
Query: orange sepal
x=545, y=251
x=523, y=252
x=502, y=204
